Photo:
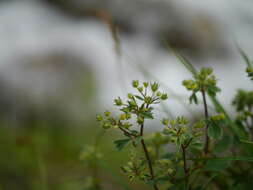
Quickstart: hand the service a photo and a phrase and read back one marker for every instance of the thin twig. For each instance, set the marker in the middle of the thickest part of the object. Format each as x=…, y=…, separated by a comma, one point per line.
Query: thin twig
x=149, y=163
x=147, y=156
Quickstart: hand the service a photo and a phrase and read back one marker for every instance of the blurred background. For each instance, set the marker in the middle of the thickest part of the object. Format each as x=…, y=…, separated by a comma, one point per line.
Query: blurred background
x=63, y=61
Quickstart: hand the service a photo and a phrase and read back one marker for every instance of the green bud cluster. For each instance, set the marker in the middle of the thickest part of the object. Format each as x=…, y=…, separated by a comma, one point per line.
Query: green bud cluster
x=204, y=80
x=107, y=121
x=243, y=103
x=136, y=104
x=243, y=100
x=180, y=132
x=136, y=169
x=218, y=117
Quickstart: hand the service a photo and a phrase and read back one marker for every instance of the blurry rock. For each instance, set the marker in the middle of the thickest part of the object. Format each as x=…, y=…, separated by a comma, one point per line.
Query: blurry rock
x=197, y=36
x=53, y=86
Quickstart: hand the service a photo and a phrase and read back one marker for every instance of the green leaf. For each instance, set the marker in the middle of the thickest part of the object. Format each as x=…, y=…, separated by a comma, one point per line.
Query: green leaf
x=215, y=131
x=196, y=145
x=247, y=142
x=216, y=165
x=139, y=97
x=193, y=98
x=147, y=115
x=224, y=144
x=212, y=90
x=244, y=56
x=220, y=109
x=185, y=62
x=120, y=144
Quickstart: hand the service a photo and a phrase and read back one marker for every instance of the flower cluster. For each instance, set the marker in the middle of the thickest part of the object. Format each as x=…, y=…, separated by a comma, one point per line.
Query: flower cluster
x=180, y=132
x=138, y=105
x=203, y=81
x=136, y=168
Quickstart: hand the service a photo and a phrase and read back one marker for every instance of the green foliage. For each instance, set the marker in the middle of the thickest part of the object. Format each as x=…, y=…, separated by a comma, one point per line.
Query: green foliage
x=212, y=152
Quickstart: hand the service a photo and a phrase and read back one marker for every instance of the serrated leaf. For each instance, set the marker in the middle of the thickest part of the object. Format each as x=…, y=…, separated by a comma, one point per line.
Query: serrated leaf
x=120, y=144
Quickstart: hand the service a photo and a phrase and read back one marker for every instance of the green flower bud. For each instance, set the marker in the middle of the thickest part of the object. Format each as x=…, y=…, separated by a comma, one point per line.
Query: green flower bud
x=145, y=84
x=165, y=121
x=140, y=120
x=211, y=81
x=107, y=113
x=218, y=117
x=99, y=118
x=130, y=96
x=132, y=103
x=164, y=96
x=154, y=86
x=249, y=69
x=158, y=94
x=122, y=117
x=148, y=100
x=184, y=129
x=199, y=125
x=106, y=125
x=135, y=83
x=208, y=70
x=127, y=125
x=128, y=116
x=140, y=89
x=182, y=120
x=190, y=84
x=118, y=101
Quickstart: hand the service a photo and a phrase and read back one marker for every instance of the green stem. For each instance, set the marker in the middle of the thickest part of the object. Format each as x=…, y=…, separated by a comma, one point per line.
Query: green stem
x=207, y=139
x=151, y=171
x=185, y=166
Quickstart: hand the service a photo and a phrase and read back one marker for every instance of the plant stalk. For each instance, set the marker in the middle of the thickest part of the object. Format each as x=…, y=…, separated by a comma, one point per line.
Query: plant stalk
x=185, y=165
x=151, y=171
x=207, y=139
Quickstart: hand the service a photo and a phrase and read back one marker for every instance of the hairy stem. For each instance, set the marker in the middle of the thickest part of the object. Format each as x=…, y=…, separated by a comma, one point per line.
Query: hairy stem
x=207, y=139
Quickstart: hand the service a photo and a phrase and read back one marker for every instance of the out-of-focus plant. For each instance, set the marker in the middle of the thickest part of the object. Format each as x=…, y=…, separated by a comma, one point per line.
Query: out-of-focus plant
x=90, y=156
